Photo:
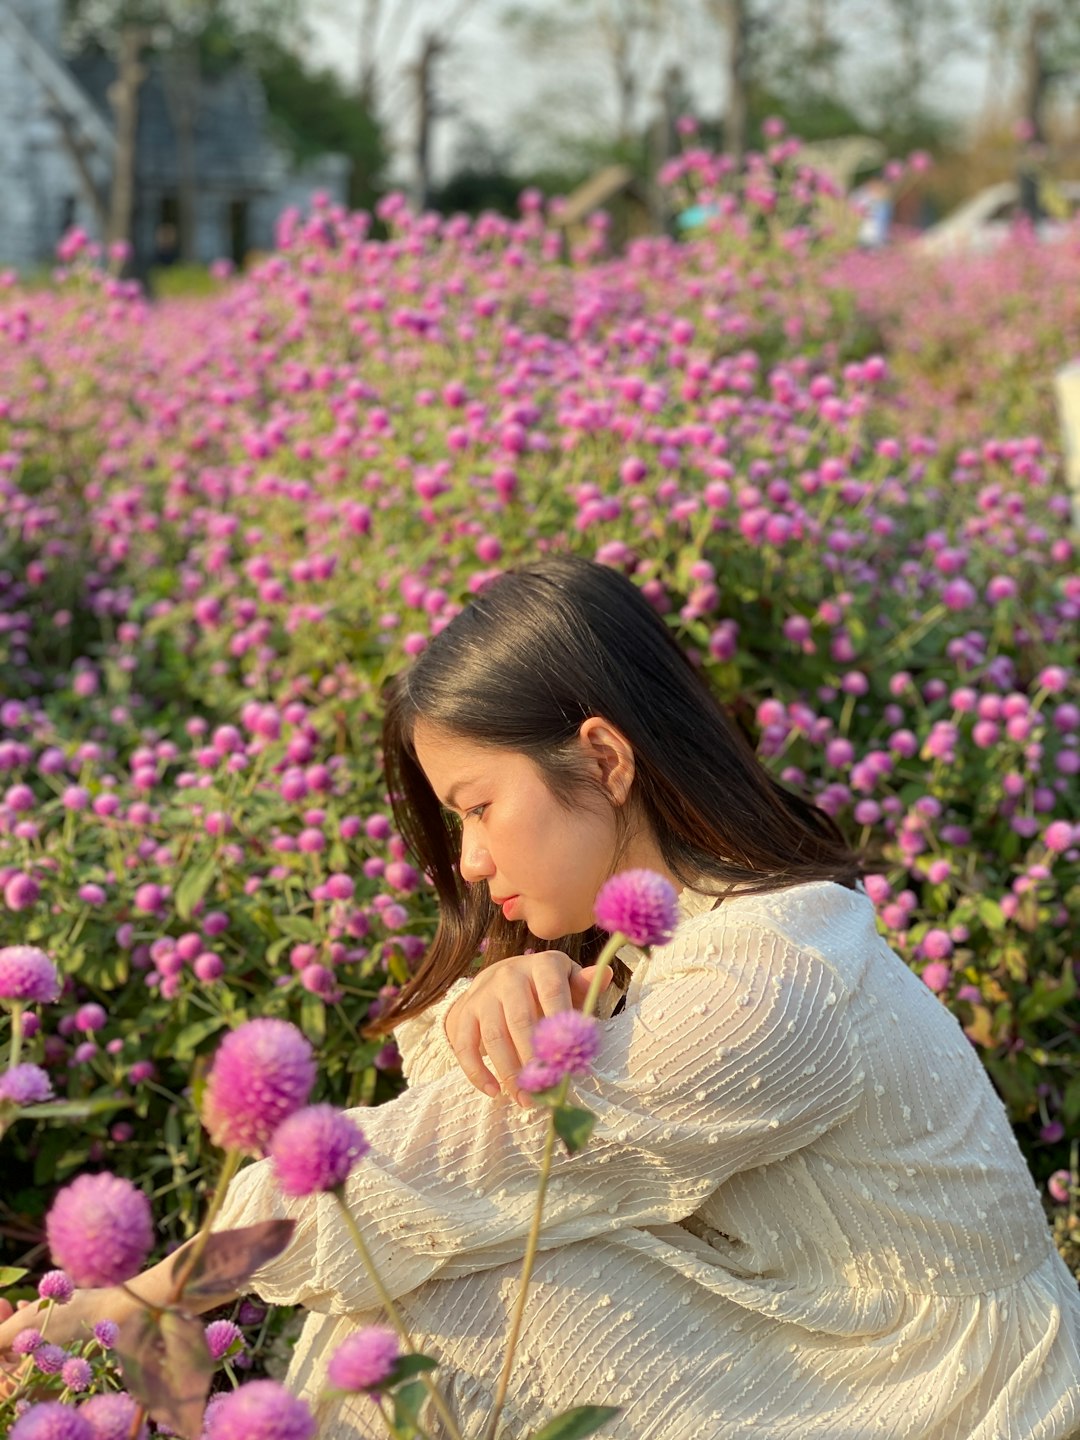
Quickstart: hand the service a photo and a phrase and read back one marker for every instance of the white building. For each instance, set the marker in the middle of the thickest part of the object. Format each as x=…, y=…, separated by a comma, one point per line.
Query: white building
x=57, y=146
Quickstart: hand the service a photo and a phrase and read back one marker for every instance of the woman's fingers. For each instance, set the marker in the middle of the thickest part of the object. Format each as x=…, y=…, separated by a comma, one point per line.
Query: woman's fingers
x=465, y=1041
x=6, y=1310
x=499, y=1043
x=581, y=979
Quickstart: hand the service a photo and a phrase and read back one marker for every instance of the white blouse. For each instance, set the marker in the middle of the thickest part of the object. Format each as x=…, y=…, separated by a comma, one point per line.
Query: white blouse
x=802, y=1215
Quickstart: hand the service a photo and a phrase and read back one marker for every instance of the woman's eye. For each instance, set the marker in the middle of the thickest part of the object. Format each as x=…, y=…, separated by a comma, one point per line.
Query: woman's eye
x=476, y=811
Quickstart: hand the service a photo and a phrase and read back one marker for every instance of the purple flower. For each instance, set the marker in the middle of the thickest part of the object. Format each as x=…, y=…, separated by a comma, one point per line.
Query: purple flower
x=49, y=1359
x=315, y=1149
x=106, y=1332
x=76, y=1373
x=260, y=1410
x=26, y=1342
x=937, y=944
x=20, y=892
x=26, y=1085
x=220, y=1335
x=566, y=1043
x=365, y=1360
x=536, y=1075
x=936, y=975
x=51, y=1421
x=640, y=905
x=55, y=1285
x=100, y=1229
x=28, y=974
x=261, y=1073
x=110, y=1417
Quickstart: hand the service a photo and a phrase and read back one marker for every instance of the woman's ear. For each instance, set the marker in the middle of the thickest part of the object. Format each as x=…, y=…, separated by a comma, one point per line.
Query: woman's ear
x=611, y=755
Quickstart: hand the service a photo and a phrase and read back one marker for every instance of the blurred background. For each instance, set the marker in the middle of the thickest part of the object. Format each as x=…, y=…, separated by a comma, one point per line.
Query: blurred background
x=178, y=131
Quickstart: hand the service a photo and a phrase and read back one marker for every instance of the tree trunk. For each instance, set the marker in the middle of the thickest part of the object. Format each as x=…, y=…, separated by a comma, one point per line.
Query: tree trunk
x=735, y=122
x=369, y=72
x=426, y=110
x=182, y=82
x=124, y=98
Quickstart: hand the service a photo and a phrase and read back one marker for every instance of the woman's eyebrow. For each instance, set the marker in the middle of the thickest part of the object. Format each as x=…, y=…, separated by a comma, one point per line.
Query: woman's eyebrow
x=451, y=798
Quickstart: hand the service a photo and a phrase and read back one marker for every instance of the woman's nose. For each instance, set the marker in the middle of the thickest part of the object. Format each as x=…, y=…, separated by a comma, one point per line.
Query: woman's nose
x=475, y=860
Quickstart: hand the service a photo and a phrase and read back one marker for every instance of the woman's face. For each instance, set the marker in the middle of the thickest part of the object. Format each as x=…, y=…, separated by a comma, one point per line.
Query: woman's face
x=541, y=862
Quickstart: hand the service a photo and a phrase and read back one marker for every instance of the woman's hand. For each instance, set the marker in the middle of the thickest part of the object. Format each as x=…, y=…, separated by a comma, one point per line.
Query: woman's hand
x=496, y=1015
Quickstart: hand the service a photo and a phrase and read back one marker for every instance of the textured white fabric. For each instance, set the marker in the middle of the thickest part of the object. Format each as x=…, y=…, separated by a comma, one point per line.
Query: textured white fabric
x=802, y=1215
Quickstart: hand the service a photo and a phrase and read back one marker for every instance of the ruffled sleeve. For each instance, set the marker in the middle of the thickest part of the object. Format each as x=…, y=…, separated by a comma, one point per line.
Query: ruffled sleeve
x=734, y=1050
x=425, y=1050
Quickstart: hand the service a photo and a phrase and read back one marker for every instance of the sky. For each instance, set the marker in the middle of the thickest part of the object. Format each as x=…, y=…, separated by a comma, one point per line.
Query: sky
x=490, y=81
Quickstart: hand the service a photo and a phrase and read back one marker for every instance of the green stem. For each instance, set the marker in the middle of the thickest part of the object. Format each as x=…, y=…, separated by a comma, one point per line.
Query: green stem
x=532, y=1244
x=16, y=1033
x=228, y=1170
x=394, y=1314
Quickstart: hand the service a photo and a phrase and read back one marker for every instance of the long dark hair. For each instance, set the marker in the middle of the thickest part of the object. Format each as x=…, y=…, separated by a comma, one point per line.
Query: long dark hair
x=539, y=650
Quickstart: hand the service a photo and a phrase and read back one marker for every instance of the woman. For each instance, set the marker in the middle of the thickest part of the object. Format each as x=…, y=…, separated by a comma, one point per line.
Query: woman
x=802, y=1212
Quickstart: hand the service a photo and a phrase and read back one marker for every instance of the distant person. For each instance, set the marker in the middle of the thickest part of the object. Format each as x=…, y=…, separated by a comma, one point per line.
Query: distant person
x=873, y=203
x=166, y=244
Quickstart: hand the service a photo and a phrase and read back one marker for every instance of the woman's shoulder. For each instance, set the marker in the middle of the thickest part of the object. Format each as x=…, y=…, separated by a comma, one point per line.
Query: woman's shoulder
x=820, y=917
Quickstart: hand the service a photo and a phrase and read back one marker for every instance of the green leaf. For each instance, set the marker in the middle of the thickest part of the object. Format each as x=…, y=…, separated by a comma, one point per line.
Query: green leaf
x=193, y=885
x=584, y=1420
x=231, y=1257
x=11, y=1275
x=408, y=1402
x=1070, y=1105
x=407, y=1367
x=573, y=1127
x=192, y=1036
x=990, y=913
x=71, y=1109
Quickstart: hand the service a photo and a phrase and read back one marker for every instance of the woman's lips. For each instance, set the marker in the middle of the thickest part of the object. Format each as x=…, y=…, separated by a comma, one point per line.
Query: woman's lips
x=508, y=905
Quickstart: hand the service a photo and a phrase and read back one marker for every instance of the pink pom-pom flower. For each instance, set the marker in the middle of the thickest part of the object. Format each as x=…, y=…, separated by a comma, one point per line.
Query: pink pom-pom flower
x=364, y=1361
x=261, y=1408
x=51, y=1421
x=28, y=975
x=564, y=1044
x=111, y=1416
x=315, y=1149
x=639, y=904
x=100, y=1230
x=261, y=1074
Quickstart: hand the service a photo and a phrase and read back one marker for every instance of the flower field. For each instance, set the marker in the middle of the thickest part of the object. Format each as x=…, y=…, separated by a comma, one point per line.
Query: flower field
x=225, y=521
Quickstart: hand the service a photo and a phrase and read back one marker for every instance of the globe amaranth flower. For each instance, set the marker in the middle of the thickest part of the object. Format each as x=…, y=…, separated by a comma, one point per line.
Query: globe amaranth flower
x=260, y=1410
x=100, y=1229
x=76, y=1373
x=261, y=1073
x=315, y=1149
x=49, y=1359
x=220, y=1337
x=535, y=1075
x=27, y=974
x=26, y=1342
x=51, y=1421
x=639, y=904
x=365, y=1360
x=26, y=1084
x=110, y=1416
x=56, y=1285
x=566, y=1044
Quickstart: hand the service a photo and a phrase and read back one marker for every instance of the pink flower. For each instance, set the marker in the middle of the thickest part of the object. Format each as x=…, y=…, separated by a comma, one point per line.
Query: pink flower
x=111, y=1417
x=100, y=1229
x=936, y=975
x=1059, y=835
x=106, y=1333
x=27, y=974
x=260, y=1410
x=26, y=1342
x=76, y=1373
x=25, y=1084
x=55, y=1285
x=567, y=1043
x=365, y=1360
x=261, y=1073
x=51, y=1421
x=315, y=1149
x=221, y=1335
x=640, y=905
x=937, y=944
x=535, y=1075
x=1058, y=1187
